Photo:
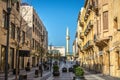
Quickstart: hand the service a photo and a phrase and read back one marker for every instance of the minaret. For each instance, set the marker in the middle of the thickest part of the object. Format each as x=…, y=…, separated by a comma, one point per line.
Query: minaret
x=67, y=41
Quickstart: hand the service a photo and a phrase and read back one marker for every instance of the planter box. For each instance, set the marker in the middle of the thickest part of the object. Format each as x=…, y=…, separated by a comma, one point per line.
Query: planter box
x=23, y=77
x=56, y=73
x=14, y=71
x=36, y=73
x=64, y=69
x=79, y=78
x=27, y=68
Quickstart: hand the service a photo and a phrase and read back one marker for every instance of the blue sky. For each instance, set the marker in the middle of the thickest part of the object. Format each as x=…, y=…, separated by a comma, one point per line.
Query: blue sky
x=57, y=15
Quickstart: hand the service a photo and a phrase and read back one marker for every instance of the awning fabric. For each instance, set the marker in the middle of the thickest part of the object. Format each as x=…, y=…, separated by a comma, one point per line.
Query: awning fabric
x=24, y=53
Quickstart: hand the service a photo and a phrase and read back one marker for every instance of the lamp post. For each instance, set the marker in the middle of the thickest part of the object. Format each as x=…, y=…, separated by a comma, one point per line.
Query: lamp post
x=8, y=7
x=50, y=56
x=7, y=46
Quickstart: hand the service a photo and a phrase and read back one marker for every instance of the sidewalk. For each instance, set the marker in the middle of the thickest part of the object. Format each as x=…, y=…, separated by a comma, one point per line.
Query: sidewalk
x=45, y=76
x=30, y=75
x=98, y=76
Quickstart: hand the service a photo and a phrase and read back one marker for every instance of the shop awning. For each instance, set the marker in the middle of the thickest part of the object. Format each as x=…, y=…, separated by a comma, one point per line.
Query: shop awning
x=24, y=53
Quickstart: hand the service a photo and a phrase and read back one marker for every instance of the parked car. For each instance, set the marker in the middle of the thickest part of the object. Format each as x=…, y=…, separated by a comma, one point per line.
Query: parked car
x=70, y=69
x=64, y=69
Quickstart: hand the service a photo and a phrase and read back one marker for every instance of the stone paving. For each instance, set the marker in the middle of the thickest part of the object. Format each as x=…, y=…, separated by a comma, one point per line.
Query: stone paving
x=47, y=75
x=30, y=75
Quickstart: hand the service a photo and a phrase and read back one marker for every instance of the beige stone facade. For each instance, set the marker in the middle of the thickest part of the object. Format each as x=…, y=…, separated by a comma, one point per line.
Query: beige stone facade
x=38, y=33
x=16, y=28
x=26, y=34
x=99, y=36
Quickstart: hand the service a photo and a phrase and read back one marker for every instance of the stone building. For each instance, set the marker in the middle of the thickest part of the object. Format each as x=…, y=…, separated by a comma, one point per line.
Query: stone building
x=17, y=36
x=99, y=48
x=38, y=33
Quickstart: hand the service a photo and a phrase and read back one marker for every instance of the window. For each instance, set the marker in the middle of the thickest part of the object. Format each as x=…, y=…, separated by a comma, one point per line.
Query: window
x=105, y=20
x=100, y=24
x=12, y=31
x=33, y=18
x=18, y=33
x=11, y=58
x=97, y=28
x=33, y=43
x=23, y=37
x=118, y=55
x=4, y=22
x=17, y=6
x=33, y=27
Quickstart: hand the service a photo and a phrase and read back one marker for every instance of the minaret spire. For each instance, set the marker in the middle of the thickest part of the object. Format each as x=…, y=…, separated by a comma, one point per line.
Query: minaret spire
x=67, y=41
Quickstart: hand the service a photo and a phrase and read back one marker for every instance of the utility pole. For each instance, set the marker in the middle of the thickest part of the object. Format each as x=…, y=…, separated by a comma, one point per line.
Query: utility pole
x=7, y=45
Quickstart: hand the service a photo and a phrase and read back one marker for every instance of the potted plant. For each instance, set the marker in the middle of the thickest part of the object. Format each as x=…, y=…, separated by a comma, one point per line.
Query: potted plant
x=74, y=67
x=56, y=70
x=79, y=74
x=64, y=69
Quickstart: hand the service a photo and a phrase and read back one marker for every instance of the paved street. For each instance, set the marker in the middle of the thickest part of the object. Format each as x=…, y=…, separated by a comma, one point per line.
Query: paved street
x=65, y=75
x=88, y=75
x=47, y=75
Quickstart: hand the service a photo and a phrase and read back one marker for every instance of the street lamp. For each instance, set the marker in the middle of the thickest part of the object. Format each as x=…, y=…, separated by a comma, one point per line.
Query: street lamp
x=50, y=56
x=8, y=7
x=7, y=45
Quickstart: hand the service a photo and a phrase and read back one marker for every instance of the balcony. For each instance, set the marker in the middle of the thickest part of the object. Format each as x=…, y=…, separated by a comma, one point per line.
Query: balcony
x=90, y=43
x=90, y=24
x=88, y=10
x=101, y=41
x=89, y=27
x=89, y=7
x=86, y=17
x=96, y=9
x=85, y=47
x=81, y=24
x=81, y=35
x=85, y=33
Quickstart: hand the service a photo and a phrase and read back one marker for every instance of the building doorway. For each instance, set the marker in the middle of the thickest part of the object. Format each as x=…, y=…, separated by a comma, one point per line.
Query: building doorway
x=11, y=64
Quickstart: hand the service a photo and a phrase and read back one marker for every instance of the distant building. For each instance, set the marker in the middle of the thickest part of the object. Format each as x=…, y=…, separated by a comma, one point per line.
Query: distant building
x=61, y=49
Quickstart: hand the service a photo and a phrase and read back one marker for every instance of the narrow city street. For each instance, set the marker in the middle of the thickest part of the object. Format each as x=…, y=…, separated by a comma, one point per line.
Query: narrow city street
x=69, y=75
x=65, y=75
x=59, y=40
x=47, y=75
